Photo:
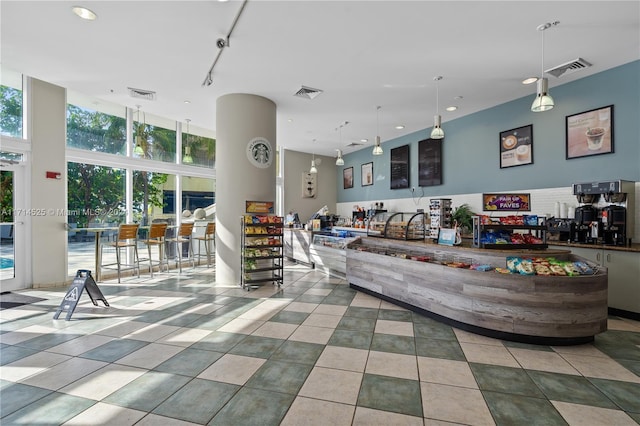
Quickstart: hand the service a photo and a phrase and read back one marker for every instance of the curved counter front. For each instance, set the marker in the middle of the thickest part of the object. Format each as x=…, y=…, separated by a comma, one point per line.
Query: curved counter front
x=552, y=310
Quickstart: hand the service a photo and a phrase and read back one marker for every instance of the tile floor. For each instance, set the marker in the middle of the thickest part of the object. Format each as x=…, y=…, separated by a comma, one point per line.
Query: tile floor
x=183, y=350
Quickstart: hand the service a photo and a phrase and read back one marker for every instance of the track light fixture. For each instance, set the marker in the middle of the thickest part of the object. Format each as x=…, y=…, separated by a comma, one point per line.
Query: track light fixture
x=437, y=132
x=377, y=148
x=339, y=160
x=543, y=100
x=221, y=43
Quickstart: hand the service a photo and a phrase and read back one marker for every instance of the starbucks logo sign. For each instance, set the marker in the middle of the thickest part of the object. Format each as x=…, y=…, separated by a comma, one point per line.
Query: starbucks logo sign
x=260, y=153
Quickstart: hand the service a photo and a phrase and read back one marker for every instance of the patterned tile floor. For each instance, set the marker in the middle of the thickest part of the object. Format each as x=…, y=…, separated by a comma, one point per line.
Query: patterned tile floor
x=182, y=350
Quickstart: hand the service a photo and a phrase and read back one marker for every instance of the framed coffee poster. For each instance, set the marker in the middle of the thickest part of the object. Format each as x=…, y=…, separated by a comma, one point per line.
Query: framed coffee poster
x=347, y=177
x=590, y=133
x=516, y=147
x=367, y=174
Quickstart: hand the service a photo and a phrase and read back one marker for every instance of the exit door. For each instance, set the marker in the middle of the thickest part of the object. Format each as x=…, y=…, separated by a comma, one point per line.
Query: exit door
x=12, y=223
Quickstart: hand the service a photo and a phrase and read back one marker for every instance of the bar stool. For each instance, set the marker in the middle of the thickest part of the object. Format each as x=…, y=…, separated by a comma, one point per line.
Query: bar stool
x=208, y=238
x=184, y=236
x=127, y=238
x=156, y=238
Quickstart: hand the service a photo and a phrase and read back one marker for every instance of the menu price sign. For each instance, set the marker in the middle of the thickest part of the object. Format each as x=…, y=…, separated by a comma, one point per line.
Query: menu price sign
x=506, y=202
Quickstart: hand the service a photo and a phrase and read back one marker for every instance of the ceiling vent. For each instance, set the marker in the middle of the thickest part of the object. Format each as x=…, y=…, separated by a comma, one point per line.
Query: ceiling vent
x=354, y=144
x=142, y=94
x=307, y=92
x=568, y=67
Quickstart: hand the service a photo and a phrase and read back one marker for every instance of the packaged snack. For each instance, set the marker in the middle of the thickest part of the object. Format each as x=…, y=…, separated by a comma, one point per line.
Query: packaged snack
x=530, y=220
x=525, y=267
x=570, y=269
x=512, y=264
x=503, y=270
x=583, y=268
x=483, y=268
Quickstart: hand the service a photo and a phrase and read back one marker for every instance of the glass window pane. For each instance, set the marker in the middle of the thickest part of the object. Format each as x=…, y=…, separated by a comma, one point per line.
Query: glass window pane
x=199, y=193
x=96, y=131
x=154, y=137
x=149, y=199
x=198, y=147
x=11, y=103
x=96, y=197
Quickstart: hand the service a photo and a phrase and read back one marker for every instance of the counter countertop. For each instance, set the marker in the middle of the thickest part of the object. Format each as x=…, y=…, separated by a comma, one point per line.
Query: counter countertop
x=635, y=247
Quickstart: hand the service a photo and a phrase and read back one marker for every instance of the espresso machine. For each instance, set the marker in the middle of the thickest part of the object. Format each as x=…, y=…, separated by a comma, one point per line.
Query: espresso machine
x=614, y=217
x=587, y=226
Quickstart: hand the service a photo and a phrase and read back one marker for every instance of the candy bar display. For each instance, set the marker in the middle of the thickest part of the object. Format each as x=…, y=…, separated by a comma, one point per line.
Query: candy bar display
x=509, y=232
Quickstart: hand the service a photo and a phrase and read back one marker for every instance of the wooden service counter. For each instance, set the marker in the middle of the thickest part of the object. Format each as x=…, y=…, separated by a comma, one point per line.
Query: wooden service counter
x=550, y=310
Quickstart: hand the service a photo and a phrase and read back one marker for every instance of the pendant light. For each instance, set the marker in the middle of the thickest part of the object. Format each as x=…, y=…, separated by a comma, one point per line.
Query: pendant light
x=187, y=158
x=313, y=169
x=543, y=100
x=377, y=149
x=140, y=137
x=437, y=132
x=340, y=160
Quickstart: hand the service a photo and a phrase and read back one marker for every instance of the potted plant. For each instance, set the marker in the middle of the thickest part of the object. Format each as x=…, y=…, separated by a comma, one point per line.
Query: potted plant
x=463, y=215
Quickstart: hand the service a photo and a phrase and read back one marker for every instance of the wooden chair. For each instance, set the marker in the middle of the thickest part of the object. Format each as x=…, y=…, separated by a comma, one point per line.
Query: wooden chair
x=208, y=238
x=184, y=236
x=156, y=238
x=127, y=238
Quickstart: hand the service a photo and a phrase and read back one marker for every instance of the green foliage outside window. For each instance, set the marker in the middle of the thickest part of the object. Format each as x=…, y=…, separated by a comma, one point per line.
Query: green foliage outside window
x=10, y=111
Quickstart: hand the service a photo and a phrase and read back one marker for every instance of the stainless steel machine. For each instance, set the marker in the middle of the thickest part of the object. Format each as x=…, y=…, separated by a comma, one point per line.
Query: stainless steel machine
x=606, y=213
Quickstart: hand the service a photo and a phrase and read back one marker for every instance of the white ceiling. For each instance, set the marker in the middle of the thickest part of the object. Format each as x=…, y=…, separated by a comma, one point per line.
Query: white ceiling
x=362, y=54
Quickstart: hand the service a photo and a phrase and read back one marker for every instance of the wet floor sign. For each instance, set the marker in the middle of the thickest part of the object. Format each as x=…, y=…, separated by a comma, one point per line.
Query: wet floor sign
x=83, y=280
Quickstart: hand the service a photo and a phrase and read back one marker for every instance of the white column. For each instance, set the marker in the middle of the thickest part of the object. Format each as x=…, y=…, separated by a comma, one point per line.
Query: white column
x=48, y=145
x=245, y=124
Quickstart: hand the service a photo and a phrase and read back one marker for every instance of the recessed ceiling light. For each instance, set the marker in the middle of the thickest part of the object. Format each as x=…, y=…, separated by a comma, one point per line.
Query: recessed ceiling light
x=451, y=108
x=530, y=80
x=290, y=120
x=364, y=140
x=187, y=102
x=399, y=127
x=84, y=13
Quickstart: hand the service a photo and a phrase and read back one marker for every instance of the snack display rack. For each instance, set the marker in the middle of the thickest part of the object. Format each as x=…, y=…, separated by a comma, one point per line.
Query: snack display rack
x=262, y=260
x=397, y=226
x=535, y=239
x=439, y=216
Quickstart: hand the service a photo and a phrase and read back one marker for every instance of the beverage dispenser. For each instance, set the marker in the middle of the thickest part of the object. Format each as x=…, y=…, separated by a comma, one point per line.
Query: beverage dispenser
x=615, y=219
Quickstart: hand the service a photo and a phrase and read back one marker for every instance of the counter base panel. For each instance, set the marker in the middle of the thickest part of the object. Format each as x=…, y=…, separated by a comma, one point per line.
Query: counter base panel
x=514, y=337
x=563, y=310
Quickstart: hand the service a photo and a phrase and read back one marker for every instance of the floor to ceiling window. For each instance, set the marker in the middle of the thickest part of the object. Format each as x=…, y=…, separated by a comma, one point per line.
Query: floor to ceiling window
x=100, y=171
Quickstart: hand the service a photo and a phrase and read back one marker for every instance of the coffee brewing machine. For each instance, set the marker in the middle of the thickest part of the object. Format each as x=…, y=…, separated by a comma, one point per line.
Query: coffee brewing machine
x=605, y=214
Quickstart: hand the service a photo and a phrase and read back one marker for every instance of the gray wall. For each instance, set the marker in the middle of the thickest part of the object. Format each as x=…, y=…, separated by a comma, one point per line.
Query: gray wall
x=471, y=148
x=295, y=164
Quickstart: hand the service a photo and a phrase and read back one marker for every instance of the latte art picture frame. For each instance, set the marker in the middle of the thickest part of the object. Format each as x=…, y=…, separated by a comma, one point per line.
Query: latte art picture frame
x=590, y=133
x=516, y=146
